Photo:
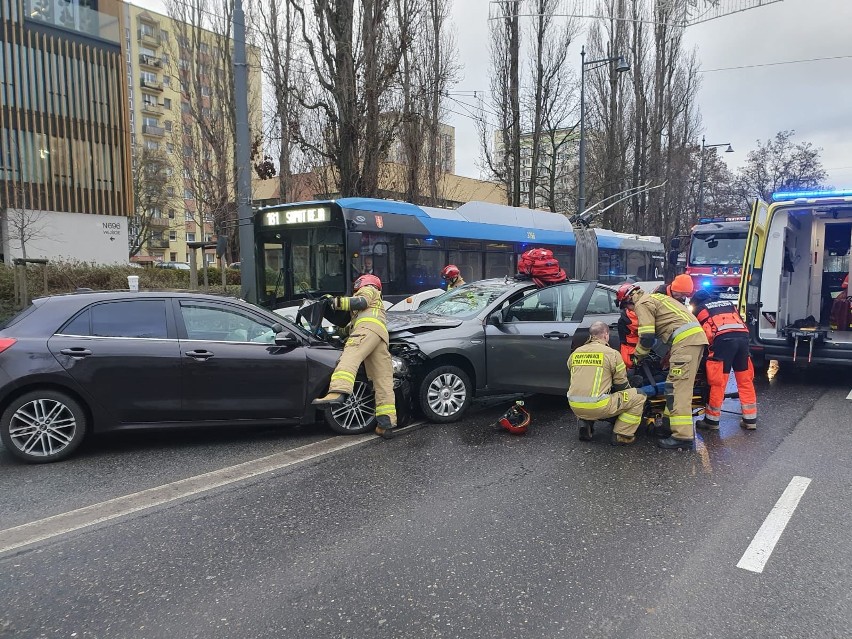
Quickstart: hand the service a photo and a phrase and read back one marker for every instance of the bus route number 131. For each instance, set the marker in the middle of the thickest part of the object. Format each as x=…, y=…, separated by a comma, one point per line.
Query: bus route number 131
x=297, y=216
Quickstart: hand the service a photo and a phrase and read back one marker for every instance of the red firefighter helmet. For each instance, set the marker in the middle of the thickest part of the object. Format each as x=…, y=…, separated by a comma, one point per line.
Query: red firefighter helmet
x=516, y=420
x=625, y=291
x=367, y=280
x=451, y=271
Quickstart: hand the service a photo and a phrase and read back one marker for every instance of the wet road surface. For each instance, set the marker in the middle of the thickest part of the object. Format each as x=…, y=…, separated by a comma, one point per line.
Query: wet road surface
x=454, y=530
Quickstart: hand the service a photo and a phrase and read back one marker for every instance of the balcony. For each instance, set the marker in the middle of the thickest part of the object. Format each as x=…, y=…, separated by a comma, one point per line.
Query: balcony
x=150, y=61
x=149, y=37
x=152, y=107
x=159, y=223
x=155, y=131
x=153, y=85
x=158, y=243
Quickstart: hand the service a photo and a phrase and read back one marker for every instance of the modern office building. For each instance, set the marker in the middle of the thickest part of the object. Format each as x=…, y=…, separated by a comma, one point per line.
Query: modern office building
x=65, y=187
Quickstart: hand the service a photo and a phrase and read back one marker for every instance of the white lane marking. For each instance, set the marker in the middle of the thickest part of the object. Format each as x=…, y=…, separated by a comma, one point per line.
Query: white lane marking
x=849, y=396
x=64, y=523
x=761, y=547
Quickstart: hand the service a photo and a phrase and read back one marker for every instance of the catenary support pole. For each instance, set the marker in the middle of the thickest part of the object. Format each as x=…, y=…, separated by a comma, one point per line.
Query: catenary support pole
x=246, y=236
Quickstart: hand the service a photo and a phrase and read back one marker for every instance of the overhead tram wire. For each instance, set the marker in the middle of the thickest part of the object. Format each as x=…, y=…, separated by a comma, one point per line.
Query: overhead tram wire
x=776, y=64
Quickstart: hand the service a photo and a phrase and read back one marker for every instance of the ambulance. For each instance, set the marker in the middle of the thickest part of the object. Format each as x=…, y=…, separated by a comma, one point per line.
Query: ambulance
x=792, y=286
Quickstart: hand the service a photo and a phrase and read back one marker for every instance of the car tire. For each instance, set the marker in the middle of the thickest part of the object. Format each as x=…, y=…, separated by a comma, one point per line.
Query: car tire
x=357, y=415
x=43, y=426
x=445, y=394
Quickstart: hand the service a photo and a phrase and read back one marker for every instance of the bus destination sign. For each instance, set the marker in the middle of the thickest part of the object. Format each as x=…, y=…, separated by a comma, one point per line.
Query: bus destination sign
x=297, y=216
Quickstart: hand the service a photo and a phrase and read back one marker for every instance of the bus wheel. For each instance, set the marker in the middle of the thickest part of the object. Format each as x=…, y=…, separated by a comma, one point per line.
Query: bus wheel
x=445, y=394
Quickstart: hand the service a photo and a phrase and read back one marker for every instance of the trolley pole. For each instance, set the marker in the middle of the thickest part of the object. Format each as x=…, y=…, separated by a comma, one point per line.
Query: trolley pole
x=248, y=277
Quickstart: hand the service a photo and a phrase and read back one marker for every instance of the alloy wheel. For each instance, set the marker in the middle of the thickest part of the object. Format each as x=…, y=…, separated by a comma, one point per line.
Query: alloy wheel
x=358, y=412
x=42, y=427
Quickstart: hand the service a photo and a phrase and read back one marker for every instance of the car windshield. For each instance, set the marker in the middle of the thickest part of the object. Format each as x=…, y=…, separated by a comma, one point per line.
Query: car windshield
x=717, y=249
x=467, y=301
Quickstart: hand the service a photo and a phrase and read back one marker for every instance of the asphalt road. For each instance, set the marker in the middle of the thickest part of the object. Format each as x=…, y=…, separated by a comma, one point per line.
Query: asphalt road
x=449, y=531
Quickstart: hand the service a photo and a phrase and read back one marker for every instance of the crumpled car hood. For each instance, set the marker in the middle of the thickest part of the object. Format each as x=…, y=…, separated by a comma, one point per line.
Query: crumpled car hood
x=419, y=322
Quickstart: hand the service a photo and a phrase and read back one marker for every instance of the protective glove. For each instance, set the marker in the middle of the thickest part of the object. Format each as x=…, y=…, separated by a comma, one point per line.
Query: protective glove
x=636, y=360
x=335, y=303
x=661, y=388
x=650, y=390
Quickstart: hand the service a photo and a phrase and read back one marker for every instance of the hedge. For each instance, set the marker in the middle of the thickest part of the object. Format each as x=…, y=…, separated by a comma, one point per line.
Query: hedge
x=67, y=278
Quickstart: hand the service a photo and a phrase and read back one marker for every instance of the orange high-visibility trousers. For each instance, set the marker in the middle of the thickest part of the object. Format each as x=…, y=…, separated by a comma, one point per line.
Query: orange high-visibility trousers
x=730, y=351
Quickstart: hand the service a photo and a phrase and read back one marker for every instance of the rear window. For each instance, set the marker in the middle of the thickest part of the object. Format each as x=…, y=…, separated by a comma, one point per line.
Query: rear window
x=17, y=317
x=132, y=318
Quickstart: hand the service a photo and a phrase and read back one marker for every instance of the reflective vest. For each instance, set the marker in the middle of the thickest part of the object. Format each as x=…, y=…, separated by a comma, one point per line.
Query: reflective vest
x=628, y=328
x=719, y=318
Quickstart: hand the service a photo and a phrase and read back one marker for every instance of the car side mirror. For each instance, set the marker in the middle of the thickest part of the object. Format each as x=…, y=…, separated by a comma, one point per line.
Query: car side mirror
x=277, y=328
x=496, y=318
x=675, y=243
x=286, y=340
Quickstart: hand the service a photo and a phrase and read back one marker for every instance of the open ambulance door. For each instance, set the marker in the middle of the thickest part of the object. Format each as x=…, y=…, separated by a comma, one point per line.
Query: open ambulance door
x=755, y=249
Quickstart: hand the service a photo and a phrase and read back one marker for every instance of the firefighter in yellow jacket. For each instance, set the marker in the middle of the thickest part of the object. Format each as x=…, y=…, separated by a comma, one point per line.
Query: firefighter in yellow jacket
x=662, y=317
x=367, y=343
x=599, y=388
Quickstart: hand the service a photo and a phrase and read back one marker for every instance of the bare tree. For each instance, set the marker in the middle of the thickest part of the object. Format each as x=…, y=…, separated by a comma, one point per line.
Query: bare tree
x=25, y=225
x=779, y=164
x=153, y=191
x=505, y=48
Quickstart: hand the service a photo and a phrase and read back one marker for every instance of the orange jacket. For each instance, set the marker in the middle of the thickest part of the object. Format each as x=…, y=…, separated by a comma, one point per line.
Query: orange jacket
x=719, y=318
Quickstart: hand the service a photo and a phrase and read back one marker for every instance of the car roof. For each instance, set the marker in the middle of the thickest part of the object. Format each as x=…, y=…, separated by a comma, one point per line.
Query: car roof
x=83, y=297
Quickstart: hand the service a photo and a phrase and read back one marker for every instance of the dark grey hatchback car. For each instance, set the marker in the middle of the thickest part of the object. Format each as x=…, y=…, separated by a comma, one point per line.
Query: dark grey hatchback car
x=497, y=336
x=91, y=362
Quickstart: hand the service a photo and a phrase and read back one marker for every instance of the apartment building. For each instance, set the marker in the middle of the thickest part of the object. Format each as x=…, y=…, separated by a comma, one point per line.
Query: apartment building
x=65, y=187
x=173, y=70
x=557, y=167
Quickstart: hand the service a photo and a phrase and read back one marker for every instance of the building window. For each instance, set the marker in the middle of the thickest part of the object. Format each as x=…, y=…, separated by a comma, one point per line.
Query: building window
x=171, y=214
x=164, y=35
x=148, y=121
x=205, y=91
x=205, y=111
x=190, y=237
x=170, y=148
x=187, y=194
x=168, y=125
x=152, y=145
x=173, y=256
x=147, y=76
x=167, y=103
x=187, y=151
x=172, y=238
x=170, y=191
x=167, y=81
x=184, y=106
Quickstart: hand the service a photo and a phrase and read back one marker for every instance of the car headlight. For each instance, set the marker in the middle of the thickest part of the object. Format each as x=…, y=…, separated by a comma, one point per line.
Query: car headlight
x=400, y=368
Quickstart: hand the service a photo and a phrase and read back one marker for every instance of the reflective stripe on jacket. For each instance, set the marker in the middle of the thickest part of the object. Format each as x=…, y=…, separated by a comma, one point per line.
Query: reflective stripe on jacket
x=668, y=320
x=718, y=318
x=595, y=367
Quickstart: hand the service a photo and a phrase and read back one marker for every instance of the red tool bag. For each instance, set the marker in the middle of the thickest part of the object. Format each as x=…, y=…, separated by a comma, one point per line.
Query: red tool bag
x=541, y=267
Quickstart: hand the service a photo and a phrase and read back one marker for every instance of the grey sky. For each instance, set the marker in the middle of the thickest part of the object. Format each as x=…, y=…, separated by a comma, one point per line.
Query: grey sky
x=738, y=106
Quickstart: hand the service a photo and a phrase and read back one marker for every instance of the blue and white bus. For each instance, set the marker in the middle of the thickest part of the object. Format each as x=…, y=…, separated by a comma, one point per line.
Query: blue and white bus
x=313, y=248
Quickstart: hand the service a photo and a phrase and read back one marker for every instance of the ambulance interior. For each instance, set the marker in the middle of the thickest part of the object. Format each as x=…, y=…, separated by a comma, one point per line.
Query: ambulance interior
x=802, y=275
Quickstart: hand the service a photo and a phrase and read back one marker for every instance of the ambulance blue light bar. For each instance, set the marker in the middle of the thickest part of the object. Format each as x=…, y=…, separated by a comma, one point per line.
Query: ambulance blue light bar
x=809, y=195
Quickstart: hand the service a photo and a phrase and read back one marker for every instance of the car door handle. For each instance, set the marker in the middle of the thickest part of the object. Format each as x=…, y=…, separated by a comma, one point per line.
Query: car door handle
x=555, y=335
x=199, y=355
x=76, y=351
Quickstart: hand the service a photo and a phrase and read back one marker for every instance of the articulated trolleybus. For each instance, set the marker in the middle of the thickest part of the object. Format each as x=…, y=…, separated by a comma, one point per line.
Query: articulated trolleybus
x=315, y=248
x=792, y=290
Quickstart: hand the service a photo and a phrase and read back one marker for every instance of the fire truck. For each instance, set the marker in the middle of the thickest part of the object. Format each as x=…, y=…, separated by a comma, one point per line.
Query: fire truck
x=714, y=252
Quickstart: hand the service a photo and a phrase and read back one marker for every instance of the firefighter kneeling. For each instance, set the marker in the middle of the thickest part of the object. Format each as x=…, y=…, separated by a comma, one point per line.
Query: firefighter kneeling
x=728, y=337
x=599, y=388
x=367, y=343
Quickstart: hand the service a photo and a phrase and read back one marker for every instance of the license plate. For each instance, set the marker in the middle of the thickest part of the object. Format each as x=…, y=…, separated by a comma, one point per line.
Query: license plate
x=728, y=296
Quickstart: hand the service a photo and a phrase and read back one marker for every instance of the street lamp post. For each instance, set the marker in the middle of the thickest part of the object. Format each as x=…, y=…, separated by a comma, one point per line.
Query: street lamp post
x=704, y=145
x=621, y=67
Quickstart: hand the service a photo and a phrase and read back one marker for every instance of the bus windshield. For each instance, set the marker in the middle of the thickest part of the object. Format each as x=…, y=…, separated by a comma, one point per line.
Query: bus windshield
x=717, y=249
x=298, y=261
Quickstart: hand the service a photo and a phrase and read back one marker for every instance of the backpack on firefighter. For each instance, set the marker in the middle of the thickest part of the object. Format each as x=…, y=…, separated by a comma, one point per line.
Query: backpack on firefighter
x=541, y=267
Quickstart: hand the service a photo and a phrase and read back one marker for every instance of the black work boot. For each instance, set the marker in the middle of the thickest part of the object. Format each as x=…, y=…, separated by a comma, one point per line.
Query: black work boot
x=670, y=443
x=587, y=429
x=707, y=424
x=748, y=424
x=664, y=430
x=384, y=427
x=332, y=398
x=622, y=440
